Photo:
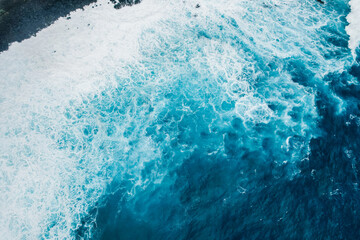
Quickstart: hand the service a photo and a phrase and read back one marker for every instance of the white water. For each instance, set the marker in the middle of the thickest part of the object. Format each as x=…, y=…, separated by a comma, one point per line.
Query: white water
x=45, y=191
x=353, y=29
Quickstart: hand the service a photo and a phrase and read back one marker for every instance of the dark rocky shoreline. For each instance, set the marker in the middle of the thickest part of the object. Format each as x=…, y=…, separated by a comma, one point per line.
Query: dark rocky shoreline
x=21, y=19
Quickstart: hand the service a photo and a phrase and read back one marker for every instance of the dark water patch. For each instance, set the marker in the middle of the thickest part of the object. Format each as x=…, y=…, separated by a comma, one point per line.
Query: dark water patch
x=122, y=3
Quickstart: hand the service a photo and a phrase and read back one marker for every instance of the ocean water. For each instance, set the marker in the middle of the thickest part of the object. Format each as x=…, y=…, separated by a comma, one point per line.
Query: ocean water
x=184, y=120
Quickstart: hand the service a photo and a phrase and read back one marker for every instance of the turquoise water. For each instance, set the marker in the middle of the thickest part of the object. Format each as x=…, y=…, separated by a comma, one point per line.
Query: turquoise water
x=231, y=120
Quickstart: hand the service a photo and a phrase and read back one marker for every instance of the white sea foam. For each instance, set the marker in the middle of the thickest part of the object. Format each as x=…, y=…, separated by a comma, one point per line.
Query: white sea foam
x=44, y=191
x=50, y=176
x=353, y=29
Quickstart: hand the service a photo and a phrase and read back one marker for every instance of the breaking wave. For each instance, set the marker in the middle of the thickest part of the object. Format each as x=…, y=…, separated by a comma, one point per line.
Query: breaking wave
x=354, y=25
x=171, y=120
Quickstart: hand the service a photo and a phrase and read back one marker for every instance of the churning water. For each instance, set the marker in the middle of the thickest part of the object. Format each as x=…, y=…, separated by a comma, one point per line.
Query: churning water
x=206, y=119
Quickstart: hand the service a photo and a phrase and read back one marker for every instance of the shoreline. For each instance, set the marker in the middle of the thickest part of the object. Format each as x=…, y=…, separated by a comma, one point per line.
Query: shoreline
x=21, y=19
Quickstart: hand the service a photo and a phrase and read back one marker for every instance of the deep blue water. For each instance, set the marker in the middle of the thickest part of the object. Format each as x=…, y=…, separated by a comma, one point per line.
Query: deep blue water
x=223, y=130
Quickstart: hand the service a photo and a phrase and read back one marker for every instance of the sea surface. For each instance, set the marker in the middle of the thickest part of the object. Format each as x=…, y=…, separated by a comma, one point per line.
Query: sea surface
x=205, y=119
